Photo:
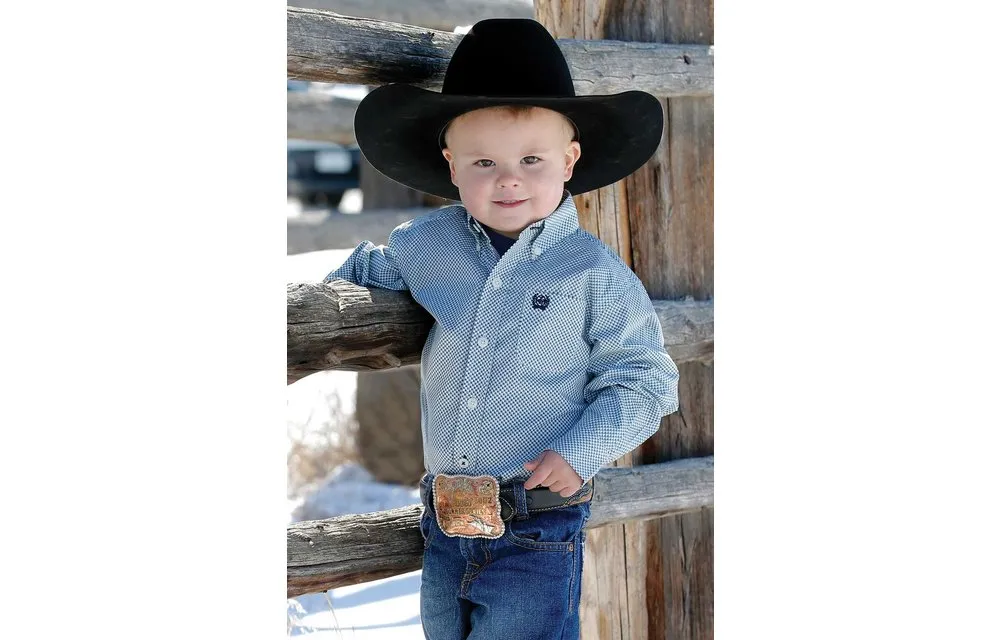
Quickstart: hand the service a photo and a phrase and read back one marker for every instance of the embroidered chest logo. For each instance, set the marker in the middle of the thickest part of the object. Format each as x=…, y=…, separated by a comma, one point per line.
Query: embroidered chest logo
x=540, y=301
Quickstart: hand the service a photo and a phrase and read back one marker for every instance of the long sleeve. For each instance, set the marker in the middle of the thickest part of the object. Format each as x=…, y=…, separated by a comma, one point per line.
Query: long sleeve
x=373, y=266
x=633, y=385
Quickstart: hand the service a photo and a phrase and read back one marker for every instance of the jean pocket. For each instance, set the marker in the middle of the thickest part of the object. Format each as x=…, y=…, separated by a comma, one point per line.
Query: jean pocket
x=551, y=333
x=556, y=530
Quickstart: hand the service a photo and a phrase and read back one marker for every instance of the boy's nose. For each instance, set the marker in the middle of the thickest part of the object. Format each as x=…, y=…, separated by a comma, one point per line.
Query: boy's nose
x=508, y=180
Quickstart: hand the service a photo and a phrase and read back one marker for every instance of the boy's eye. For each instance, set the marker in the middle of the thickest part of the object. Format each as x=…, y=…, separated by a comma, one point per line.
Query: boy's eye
x=534, y=159
x=477, y=163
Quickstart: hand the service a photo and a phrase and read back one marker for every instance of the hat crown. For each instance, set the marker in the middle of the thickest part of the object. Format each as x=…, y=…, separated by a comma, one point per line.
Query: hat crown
x=508, y=57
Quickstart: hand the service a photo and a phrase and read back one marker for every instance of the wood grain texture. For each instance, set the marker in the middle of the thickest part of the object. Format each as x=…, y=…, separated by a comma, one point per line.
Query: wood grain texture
x=673, y=249
x=328, y=47
x=673, y=254
x=443, y=15
x=653, y=578
x=324, y=554
x=339, y=325
x=676, y=257
x=342, y=326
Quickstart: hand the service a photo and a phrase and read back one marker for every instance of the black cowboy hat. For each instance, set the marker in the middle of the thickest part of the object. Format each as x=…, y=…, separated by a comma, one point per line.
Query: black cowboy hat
x=504, y=61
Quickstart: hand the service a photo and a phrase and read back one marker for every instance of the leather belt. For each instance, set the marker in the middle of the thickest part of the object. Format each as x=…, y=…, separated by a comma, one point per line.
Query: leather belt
x=538, y=499
x=542, y=499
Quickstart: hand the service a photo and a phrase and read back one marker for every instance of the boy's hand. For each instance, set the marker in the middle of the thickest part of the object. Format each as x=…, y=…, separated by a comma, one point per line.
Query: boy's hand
x=551, y=470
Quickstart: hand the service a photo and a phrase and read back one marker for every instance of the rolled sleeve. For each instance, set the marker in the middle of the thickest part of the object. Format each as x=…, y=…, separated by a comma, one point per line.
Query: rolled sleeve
x=633, y=384
x=371, y=265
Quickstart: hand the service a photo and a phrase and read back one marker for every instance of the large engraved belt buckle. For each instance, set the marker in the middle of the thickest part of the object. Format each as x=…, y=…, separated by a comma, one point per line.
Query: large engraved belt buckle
x=468, y=506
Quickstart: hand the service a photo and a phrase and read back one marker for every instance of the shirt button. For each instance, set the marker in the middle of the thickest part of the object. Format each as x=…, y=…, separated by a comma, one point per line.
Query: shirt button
x=496, y=283
x=536, y=251
x=463, y=462
x=472, y=403
x=483, y=342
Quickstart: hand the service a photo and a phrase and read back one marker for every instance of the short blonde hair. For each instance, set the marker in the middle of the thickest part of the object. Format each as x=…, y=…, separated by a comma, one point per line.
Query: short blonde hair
x=516, y=111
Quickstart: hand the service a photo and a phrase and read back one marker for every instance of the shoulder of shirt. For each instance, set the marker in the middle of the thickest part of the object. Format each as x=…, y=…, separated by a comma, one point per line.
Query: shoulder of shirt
x=432, y=221
x=606, y=262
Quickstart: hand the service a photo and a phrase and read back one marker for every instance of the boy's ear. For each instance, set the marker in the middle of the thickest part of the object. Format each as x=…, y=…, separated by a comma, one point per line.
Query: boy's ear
x=573, y=153
x=451, y=165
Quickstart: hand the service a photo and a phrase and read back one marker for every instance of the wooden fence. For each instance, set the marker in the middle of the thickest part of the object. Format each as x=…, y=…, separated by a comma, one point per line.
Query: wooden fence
x=324, y=554
x=326, y=47
x=649, y=556
x=339, y=325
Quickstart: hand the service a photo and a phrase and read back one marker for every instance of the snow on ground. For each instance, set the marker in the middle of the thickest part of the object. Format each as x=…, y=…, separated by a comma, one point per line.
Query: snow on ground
x=382, y=609
x=387, y=608
x=314, y=265
x=351, y=489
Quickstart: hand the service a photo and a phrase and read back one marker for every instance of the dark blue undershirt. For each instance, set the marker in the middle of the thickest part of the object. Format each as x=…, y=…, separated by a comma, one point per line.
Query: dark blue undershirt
x=500, y=241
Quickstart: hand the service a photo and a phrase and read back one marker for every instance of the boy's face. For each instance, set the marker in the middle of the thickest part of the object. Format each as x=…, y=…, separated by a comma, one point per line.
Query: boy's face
x=495, y=156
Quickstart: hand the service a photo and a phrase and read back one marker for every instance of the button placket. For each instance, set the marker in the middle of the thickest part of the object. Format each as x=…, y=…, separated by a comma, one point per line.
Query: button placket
x=467, y=422
x=466, y=426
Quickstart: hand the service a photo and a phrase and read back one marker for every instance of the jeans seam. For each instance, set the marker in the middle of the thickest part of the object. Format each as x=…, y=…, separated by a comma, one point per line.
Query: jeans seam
x=572, y=579
x=430, y=529
x=535, y=545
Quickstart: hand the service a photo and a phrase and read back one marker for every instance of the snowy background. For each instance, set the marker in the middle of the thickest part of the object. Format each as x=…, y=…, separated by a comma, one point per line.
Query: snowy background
x=387, y=608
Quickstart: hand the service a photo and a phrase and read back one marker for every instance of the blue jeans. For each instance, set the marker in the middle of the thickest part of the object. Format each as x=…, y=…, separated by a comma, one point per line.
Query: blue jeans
x=524, y=585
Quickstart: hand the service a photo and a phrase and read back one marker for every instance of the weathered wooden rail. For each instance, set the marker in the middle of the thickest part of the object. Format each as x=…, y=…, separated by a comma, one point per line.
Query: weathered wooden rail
x=327, y=47
x=324, y=554
x=339, y=325
x=444, y=15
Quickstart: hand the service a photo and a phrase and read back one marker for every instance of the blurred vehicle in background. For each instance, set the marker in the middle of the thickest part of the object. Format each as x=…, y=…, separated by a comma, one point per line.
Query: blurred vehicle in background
x=320, y=172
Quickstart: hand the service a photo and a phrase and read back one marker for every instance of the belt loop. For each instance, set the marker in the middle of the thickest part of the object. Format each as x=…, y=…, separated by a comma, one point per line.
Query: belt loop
x=520, y=501
x=426, y=497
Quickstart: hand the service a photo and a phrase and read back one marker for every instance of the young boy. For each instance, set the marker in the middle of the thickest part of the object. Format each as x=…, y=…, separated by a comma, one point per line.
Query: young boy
x=546, y=358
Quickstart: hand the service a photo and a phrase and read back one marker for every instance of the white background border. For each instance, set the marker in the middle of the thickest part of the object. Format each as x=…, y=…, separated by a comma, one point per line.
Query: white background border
x=143, y=240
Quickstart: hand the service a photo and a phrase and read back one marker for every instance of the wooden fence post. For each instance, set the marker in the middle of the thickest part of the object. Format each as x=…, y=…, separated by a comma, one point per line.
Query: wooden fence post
x=653, y=578
x=389, y=440
x=379, y=192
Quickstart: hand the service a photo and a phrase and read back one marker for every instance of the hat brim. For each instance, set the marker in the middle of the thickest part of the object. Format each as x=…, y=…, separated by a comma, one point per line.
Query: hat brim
x=397, y=129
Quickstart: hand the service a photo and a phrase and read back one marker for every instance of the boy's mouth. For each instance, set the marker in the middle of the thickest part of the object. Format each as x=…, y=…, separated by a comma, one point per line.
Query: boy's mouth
x=508, y=203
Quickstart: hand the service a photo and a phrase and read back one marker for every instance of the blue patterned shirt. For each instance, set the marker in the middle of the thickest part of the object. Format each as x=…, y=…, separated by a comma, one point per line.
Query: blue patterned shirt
x=552, y=345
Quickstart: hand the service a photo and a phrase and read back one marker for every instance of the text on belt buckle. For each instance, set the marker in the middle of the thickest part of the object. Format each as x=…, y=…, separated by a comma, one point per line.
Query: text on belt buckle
x=468, y=506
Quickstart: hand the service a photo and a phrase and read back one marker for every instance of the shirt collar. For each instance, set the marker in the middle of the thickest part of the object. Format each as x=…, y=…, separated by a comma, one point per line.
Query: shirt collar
x=542, y=234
